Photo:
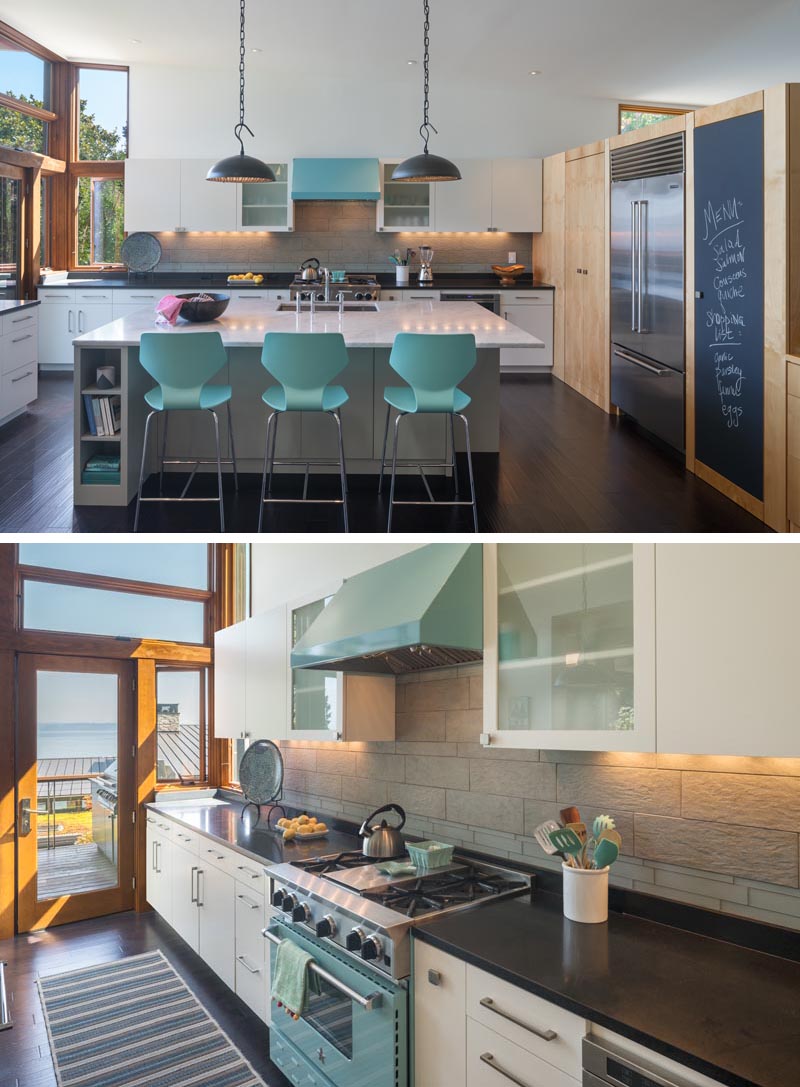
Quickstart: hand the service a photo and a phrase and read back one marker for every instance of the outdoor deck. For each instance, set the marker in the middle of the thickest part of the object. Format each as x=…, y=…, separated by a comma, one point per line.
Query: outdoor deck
x=73, y=869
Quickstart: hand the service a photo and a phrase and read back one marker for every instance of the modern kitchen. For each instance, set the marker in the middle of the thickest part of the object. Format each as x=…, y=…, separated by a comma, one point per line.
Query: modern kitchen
x=399, y=814
x=601, y=271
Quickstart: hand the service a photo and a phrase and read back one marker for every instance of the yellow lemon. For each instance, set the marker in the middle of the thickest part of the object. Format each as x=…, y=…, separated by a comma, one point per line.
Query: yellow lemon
x=289, y=833
x=302, y=819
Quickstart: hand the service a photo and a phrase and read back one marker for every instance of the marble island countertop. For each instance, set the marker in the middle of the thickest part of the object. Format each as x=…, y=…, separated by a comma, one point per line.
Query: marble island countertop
x=244, y=324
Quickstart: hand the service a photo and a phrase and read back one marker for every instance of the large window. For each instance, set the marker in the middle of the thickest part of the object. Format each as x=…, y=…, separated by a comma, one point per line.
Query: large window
x=101, y=220
x=103, y=120
x=633, y=117
x=181, y=724
x=139, y=591
x=25, y=76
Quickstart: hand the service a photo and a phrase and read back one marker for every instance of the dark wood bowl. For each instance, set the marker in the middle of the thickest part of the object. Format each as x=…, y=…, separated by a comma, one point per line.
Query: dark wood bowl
x=200, y=312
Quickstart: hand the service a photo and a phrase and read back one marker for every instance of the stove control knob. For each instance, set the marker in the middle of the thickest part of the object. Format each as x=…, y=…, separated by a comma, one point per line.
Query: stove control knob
x=320, y=297
x=288, y=903
x=326, y=927
x=371, y=948
x=355, y=939
x=301, y=912
x=359, y=296
x=277, y=898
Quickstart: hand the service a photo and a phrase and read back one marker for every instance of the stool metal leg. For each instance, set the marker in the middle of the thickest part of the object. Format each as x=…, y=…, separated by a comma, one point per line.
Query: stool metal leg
x=453, y=451
x=383, y=454
x=394, y=470
x=342, y=467
x=272, y=452
x=141, y=471
x=270, y=417
x=163, y=454
x=233, y=449
x=463, y=418
x=219, y=473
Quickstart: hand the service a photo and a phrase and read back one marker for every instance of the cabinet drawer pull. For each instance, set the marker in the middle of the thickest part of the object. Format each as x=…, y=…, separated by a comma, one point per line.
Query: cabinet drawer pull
x=150, y=819
x=243, y=960
x=21, y=377
x=219, y=856
x=143, y=297
x=248, y=902
x=434, y=977
x=21, y=320
x=250, y=872
x=200, y=873
x=545, y=1035
x=194, y=872
x=487, y=1058
x=20, y=339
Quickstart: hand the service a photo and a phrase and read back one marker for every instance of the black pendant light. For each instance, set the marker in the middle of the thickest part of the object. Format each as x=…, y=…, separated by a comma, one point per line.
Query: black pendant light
x=426, y=167
x=240, y=168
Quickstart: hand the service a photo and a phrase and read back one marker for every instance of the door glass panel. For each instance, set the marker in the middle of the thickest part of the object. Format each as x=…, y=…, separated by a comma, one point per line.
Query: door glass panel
x=9, y=236
x=565, y=636
x=330, y=1013
x=315, y=703
x=77, y=835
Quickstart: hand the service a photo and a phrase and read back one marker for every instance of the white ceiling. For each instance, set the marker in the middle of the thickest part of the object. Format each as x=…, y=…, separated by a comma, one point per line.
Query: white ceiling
x=690, y=52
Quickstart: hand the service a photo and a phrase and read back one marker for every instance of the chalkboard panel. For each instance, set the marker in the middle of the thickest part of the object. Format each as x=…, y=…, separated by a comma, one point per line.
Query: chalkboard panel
x=729, y=279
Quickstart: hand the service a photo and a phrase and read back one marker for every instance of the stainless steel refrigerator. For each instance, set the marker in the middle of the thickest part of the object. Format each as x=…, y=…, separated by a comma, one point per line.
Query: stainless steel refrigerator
x=648, y=366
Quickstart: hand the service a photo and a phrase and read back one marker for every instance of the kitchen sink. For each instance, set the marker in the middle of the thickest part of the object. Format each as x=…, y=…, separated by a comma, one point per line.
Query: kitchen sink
x=329, y=307
x=198, y=802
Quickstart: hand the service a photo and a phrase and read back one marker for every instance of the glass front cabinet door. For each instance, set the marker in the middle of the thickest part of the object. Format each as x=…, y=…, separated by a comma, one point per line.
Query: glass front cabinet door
x=315, y=697
x=569, y=646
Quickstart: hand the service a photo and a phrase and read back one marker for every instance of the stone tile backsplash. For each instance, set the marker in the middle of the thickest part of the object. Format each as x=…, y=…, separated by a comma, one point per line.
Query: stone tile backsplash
x=341, y=234
x=721, y=833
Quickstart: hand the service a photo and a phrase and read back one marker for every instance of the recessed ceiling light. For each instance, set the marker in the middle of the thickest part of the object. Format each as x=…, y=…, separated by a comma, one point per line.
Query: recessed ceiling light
x=410, y=62
x=136, y=41
x=535, y=71
x=256, y=50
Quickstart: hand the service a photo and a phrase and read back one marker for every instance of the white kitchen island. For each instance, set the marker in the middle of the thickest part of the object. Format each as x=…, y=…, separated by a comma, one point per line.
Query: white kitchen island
x=369, y=337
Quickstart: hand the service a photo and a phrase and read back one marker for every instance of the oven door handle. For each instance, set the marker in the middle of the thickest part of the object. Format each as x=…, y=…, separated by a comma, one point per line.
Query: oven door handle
x=368, y=1003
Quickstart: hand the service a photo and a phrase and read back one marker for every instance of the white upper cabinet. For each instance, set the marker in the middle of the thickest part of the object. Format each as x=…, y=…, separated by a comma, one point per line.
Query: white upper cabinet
x=250, y=661
x=569, y=646
x=517, y=195
x=465, y=205
x=726, y=637
x=152, y=194
x=230, y=681
x=205, y=205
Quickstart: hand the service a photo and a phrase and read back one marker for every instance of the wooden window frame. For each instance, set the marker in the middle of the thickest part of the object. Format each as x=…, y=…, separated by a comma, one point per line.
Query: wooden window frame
x=633, y=107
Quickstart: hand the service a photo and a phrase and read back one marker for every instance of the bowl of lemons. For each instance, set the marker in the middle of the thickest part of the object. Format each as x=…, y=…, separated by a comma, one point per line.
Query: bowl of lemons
x=302, y=828
x=247, y=279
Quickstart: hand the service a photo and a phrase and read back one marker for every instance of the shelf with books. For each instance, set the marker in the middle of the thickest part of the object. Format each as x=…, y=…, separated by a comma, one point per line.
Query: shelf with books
x=101, y=437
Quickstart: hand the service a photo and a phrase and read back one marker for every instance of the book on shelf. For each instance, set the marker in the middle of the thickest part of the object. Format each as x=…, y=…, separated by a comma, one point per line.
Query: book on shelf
x=102, y=462
x=103, y=414
x=100, y=477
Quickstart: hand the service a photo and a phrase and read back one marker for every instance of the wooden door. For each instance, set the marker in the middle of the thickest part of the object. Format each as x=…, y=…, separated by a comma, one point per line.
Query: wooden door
x=595, y=296
x=573, y=275
x=75, y=789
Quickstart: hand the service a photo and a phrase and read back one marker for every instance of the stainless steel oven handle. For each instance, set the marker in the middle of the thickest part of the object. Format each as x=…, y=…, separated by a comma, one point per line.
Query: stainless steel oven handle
x=368, y=1003
x=545, y=1035
x=658, y=370
x=488, y=1058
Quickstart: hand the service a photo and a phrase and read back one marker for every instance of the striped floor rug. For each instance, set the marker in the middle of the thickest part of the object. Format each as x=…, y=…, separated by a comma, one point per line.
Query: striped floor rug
x=134, y=1023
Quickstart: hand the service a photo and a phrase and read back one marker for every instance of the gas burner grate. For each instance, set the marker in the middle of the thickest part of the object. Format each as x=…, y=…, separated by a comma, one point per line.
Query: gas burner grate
x=334, y=863
x=431, y=892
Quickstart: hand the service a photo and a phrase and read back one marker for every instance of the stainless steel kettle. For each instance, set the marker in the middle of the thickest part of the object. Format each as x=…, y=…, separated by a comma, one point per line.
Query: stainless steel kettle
x=309, y=270
x=381, y=840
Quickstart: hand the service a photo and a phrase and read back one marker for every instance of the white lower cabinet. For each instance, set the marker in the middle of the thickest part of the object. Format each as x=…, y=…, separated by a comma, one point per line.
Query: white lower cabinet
x=440, y=1018
x=252, y=965
x=215, y=910
x=493, y=1061
x=531, y=311
x=216, y=899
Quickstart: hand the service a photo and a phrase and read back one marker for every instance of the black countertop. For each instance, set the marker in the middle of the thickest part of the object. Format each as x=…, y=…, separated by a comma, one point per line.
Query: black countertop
x=224, y=824
x=279, y=280
x=724, y=1010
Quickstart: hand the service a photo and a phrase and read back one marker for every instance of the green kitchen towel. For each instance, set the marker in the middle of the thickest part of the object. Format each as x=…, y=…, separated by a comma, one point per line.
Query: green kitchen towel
x=292, y=979
x=396, y=868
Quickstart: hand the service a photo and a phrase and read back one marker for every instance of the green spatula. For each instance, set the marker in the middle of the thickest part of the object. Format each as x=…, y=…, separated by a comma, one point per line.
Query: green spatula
x=605, y=853
x=566, y=841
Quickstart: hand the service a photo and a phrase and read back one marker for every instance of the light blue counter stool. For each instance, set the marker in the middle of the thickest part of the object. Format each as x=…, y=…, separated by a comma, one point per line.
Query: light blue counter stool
x=432, y=365
x=183, y=365
x=303, y=363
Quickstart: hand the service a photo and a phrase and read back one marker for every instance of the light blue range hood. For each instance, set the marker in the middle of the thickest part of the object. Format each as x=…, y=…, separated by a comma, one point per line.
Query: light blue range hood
x=421, y=610
x=336, y=179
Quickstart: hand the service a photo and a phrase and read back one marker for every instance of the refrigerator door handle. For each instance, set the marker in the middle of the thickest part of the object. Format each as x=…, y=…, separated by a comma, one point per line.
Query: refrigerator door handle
x=634, y=205
x=657, y=370
x=642, y=244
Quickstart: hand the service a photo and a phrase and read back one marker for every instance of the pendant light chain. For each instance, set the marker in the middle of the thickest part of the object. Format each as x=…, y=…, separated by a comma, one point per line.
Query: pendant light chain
x=426, y=127
x=238, y=129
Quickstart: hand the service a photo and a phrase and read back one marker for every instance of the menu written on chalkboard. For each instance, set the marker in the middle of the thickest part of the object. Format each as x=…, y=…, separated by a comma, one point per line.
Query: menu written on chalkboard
x=729, y=279
x=724, y=318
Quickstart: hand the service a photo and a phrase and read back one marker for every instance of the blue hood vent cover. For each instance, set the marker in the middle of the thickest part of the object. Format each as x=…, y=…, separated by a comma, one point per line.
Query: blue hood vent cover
x=421, y=610
x=336, y=179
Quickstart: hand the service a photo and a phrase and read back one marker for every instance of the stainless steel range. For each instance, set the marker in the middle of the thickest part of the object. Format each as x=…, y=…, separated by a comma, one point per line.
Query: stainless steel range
x=356, y=287
x=356, y=923
x=104, y=811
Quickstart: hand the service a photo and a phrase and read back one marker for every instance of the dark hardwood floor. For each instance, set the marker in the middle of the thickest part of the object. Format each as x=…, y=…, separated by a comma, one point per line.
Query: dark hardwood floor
x=25, y=1059
x=564, y=466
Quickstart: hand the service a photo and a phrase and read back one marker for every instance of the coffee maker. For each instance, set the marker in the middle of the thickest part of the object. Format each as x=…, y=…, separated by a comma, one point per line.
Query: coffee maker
x=425, y=262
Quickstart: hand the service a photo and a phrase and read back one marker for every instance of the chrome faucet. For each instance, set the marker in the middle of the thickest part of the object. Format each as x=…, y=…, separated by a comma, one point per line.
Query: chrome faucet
x=340, y=299
x=326, y=278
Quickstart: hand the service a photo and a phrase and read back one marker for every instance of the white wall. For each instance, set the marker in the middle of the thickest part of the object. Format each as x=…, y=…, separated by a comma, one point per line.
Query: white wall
x=184, y=112
x=286, y=571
